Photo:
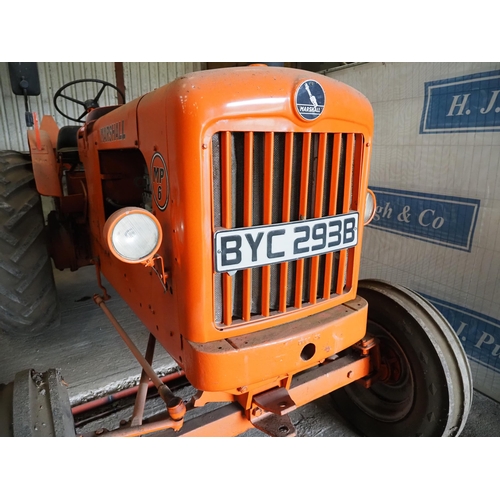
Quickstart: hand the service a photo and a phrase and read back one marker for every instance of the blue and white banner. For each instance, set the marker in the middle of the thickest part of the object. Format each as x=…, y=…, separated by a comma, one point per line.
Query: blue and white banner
x=468, y=103
x=480, y=334
x=443, y=220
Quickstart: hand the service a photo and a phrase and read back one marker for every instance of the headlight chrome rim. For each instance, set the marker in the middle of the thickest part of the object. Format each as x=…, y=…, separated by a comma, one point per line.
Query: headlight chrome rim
x=117, y=221
x=370, y=198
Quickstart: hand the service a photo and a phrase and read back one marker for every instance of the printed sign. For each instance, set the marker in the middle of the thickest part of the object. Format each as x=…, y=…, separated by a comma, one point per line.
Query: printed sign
x=444, y=220
x=465, y=104
x=480, y=334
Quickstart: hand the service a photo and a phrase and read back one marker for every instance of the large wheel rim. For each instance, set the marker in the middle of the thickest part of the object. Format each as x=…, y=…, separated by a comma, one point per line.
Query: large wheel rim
x=390, y=398
x=430, y=391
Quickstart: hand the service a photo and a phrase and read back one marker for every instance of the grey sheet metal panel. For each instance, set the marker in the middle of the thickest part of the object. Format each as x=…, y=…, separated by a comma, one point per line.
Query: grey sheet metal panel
x=142, y=77
x=53, y=75
x=139, y=79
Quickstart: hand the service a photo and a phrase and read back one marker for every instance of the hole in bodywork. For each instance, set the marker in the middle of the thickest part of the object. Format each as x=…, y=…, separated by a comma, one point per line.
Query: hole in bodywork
x=308, y=352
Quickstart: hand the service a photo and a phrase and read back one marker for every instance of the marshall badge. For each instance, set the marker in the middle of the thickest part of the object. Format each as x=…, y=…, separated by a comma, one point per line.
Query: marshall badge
x=310, y=100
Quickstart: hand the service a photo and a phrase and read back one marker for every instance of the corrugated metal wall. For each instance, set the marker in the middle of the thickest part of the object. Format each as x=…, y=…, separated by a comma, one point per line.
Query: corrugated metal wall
x=144, y=77
x=139, y=79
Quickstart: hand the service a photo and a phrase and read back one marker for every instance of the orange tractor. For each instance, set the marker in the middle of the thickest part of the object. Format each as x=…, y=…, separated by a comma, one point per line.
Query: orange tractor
x=227, y=209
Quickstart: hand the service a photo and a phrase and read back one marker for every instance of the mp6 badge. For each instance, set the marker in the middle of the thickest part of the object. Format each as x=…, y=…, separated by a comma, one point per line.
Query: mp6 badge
x=310, y=100
x=160, y=186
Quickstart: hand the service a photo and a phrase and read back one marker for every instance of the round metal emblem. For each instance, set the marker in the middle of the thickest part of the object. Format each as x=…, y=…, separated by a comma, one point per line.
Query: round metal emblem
x=161, y=187
x=310, y=100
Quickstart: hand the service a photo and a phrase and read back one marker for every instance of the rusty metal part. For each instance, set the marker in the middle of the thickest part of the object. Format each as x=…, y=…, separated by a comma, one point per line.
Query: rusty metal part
x=277, y=401
x=365, y=344
x=369, y=346
x=275, y=425
x=97, y=263
x=96, y=403
x=142, y=391
x=120, y=82
x=232, y=420
x=162, y=274
x=144, y=429
x=36, y=405
x=227, y=420
x=175, y=405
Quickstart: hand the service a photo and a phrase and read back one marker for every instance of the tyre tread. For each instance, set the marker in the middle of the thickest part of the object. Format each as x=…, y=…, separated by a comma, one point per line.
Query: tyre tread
x=28, y=299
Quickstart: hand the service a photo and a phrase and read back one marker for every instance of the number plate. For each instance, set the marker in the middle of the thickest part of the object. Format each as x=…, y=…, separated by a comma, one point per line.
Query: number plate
x=243, y=248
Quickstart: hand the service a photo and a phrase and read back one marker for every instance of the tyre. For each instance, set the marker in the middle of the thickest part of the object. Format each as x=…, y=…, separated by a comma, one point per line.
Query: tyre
x=424, y=386
x=28, y=299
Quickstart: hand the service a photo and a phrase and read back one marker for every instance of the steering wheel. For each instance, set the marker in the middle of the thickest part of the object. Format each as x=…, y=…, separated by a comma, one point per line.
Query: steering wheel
x=89, y=104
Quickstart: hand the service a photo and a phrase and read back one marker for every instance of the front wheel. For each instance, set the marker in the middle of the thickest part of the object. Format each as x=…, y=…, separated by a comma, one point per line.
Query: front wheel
x=424, y=384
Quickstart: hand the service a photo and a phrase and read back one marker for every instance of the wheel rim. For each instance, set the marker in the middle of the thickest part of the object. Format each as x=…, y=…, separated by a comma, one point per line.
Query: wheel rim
x=427, y=391
x=391, y=397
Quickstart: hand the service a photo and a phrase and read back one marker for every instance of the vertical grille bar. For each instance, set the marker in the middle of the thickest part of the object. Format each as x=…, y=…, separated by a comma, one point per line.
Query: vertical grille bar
x=263, y=178
x=247, y=220
x=287, y=196
x=348, y=173
x=227, y=281
x=304, y=179
x=356, y=173
x=334, y=184
x=358, y=161
x=318, y=209
x=268, y=213
x=346, y=203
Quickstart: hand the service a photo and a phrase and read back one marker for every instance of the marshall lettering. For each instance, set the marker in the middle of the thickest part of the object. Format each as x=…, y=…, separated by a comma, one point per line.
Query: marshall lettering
x=309, y=109
x=114, y=132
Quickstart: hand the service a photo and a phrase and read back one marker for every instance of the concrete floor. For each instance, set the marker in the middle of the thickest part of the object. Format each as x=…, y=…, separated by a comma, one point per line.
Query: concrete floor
x=95, y=361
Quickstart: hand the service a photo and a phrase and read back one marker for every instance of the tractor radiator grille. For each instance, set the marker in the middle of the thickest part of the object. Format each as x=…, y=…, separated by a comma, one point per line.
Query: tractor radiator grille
x=262, y=178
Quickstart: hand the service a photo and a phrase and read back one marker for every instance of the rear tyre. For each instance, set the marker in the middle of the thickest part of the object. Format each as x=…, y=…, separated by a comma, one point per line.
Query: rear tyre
x=425, y=385
x=28, y=299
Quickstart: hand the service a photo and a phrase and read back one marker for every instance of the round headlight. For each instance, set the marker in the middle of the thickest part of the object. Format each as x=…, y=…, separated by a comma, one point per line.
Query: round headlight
x=370, y=206
x=133, y=234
